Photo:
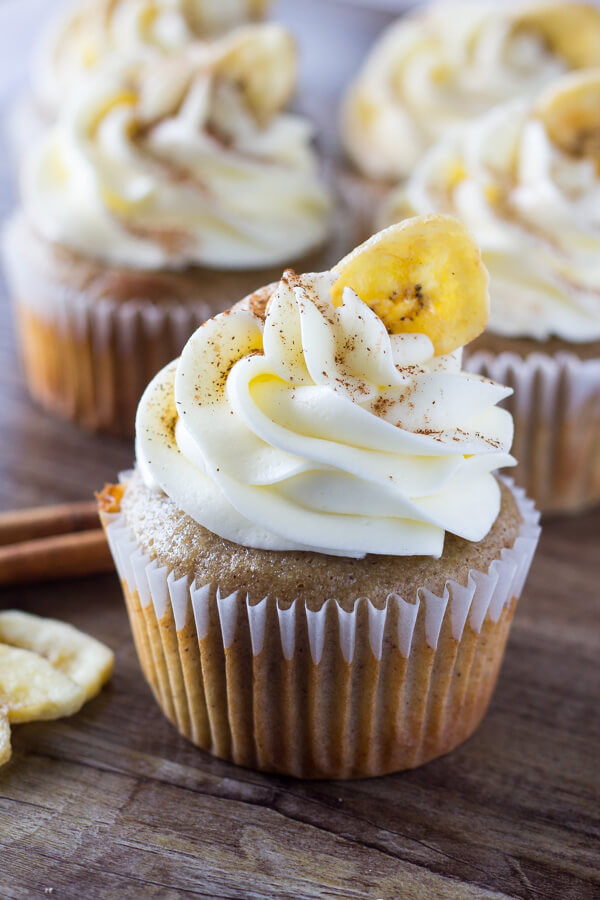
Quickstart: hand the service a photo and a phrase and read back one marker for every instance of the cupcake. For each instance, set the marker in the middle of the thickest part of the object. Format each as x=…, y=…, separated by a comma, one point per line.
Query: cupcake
x=81, y=39
x=441, y=66
x=147, y=208
x=319, y=565
x=524, y=178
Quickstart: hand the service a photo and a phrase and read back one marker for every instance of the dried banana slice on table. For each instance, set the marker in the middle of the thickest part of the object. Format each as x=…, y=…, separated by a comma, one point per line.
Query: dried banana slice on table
x=48, y=670
x=32, y=689
x=82, y=658
x=5, y=748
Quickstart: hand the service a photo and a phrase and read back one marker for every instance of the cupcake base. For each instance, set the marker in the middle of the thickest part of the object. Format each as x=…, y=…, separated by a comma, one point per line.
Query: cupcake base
x=93, y=336
x=93, y=367
x=325, y=692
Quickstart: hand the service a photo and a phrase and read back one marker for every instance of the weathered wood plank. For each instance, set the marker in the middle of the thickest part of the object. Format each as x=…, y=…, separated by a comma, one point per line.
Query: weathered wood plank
x=512, y=810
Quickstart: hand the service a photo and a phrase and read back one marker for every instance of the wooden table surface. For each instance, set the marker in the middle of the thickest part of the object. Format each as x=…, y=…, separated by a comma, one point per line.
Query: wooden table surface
x=112, y=802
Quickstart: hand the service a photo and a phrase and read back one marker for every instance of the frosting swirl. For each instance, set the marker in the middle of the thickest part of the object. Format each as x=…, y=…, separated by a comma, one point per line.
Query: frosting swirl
x=186, y=162
x=434, y=69
x=90, y=32
x=312, y=428
x=534, y=210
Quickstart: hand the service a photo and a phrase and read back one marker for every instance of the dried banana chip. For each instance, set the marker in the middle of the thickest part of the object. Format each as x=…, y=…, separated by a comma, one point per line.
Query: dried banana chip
x=82, y=658
x=570, y=110
x=32, y=689
x=422, y=275
x=5, y=748
x=262, y=61
x=571, y=29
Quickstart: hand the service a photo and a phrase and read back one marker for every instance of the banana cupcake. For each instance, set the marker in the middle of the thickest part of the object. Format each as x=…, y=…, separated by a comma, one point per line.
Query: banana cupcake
x=319, y=565
x=90, y=31
x=524, y=178
x=446, y=64
x=145, y=210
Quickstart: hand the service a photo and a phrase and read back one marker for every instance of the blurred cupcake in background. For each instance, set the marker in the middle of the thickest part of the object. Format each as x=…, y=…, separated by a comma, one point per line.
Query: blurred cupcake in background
x=144, y=209
x=525, y=179
x=445, y=64
x=90, y=31
x=319, y=563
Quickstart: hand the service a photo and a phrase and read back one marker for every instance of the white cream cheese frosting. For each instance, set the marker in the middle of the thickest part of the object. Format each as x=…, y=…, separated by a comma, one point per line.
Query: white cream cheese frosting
x=451, y=62
x=89, y=32
x=314, y=429
x=534, y=210
x=187, y=162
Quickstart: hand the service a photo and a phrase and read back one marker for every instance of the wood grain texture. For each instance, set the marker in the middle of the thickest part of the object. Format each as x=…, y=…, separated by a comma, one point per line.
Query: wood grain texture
x=113, y=803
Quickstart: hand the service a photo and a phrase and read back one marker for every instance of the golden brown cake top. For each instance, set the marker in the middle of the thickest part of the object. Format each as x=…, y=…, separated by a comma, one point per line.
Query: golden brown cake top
x=185, y=547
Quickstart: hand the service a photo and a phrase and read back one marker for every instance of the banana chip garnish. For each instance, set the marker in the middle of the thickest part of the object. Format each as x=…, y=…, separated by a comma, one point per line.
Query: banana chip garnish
x=423, y=275
x=572, y=30
x=570, y=111
x=262, y=61
x=447, y=63
x=82, y=658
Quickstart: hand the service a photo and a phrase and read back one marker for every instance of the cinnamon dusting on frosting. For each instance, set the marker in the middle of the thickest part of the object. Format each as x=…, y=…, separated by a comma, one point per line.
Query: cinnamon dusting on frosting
x=185, y=161
x=530, y=192
x=304, y=426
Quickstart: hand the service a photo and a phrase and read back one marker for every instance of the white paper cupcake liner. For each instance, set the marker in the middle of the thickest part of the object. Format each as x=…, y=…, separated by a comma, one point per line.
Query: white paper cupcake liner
x=326, y=693
x=556, y=411
x=89, y=359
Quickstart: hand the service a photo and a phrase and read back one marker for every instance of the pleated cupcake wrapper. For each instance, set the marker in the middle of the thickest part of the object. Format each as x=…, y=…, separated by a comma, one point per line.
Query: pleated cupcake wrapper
x=89, y=360
x=327, y=693
x=556, y=411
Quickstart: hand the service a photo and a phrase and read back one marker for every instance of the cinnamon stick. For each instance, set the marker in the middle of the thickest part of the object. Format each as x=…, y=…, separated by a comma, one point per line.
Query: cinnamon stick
x=44, y=521
x=55, y=557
